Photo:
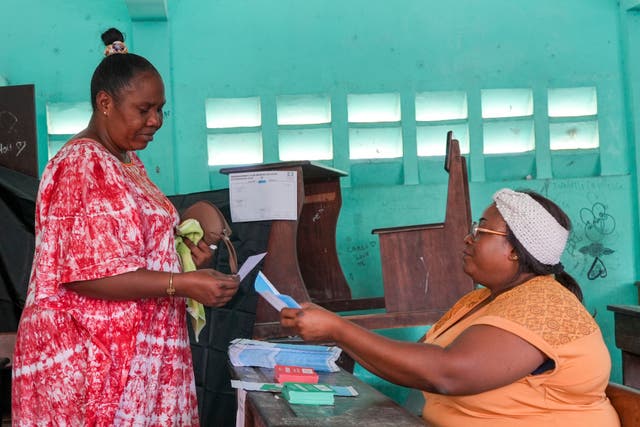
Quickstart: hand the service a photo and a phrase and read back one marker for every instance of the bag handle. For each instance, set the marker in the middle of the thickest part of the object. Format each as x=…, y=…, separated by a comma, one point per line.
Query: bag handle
x=233, y=256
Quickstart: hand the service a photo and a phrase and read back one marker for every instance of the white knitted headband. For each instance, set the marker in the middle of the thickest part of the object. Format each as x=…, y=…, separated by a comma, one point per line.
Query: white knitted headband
x=534, y=227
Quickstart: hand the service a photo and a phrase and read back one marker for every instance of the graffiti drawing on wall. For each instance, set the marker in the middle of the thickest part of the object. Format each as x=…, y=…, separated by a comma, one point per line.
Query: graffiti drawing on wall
x=597, y=225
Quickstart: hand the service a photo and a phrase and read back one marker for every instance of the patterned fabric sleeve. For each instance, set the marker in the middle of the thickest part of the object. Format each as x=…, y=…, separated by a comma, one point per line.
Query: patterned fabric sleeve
x=89, y=230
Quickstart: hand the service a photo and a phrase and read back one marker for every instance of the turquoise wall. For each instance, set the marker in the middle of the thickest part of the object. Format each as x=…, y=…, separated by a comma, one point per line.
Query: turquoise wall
x=238, y=48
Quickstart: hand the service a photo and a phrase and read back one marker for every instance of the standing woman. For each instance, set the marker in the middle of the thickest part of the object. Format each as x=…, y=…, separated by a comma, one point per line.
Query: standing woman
x=103, y=337
x=521, y=351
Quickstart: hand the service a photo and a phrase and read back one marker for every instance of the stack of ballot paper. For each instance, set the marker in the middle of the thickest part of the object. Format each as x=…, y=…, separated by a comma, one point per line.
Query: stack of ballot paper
x=308, y=394
x=246, y=352
x=294, y=374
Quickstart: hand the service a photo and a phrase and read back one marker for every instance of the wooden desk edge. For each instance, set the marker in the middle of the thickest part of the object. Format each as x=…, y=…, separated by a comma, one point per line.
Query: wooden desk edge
x=312, y=167
x=631, y=310
x=369, y=321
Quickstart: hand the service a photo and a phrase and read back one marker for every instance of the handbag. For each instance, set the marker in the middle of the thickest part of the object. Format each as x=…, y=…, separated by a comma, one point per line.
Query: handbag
x=215, y=228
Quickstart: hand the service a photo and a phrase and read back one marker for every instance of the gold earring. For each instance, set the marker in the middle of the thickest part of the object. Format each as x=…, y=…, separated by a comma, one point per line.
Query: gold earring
x=513, y=257
x=105, y=113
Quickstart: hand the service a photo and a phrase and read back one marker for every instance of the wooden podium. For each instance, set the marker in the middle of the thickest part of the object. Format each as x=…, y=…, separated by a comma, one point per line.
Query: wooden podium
x=301, y=258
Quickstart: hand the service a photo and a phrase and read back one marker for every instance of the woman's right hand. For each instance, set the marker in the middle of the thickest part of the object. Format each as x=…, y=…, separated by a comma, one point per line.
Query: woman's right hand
x=207, y=286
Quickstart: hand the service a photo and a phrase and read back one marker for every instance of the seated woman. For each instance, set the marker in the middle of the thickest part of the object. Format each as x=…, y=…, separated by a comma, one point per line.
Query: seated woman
x=522, y=350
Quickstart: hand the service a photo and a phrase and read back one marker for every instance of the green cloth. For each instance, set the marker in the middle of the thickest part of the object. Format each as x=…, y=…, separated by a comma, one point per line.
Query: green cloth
x=191, y=229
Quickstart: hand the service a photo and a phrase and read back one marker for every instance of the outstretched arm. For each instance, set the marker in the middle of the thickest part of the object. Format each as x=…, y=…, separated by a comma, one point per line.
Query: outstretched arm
x=482, y=358
x=210, y=287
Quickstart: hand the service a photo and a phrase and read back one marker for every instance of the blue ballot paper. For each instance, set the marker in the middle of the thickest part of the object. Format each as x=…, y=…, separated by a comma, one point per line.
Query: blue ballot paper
x=279, y=301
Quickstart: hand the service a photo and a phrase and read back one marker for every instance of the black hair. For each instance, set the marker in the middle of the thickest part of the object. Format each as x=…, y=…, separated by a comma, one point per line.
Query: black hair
x=528, y=264
x=116, y=70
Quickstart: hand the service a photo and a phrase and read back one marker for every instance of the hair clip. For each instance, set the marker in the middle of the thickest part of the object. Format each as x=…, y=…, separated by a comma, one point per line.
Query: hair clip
x=115, y=47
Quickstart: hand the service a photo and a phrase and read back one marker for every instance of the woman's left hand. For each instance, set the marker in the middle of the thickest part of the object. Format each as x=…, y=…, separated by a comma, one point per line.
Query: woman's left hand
x=201, y=253
x=311, y=322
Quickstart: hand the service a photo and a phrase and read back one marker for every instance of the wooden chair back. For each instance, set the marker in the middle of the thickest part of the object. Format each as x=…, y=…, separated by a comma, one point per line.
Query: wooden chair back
x=422, y=264
x=626, y=401
x=422, y=268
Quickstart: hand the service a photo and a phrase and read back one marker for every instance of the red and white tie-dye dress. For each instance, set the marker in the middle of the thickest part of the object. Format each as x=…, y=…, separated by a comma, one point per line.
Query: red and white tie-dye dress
x=84, y=361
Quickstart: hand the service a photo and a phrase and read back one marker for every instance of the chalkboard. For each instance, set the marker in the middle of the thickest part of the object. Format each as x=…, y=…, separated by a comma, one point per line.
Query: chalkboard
x=18, y=145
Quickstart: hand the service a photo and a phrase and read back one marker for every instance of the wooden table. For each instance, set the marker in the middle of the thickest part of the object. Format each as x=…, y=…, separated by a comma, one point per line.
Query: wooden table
x=627, y=327
x=369, y=408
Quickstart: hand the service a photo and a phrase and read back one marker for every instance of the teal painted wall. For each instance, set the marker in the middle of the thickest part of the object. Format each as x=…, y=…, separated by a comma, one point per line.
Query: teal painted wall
x=237, y=48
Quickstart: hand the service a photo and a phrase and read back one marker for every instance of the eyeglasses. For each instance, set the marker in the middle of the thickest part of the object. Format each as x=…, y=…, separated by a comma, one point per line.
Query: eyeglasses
x=476, y=230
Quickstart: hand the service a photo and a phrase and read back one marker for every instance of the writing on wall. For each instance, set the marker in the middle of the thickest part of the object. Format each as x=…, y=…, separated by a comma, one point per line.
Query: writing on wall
x=18, y=147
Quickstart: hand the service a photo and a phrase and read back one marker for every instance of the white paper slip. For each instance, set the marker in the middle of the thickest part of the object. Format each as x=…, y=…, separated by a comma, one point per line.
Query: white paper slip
x=339, y=390
x=279, y=301
x=250, y=264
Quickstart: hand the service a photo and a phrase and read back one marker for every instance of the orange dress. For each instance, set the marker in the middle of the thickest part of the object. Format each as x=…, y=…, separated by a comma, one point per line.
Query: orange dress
x=547, y=315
